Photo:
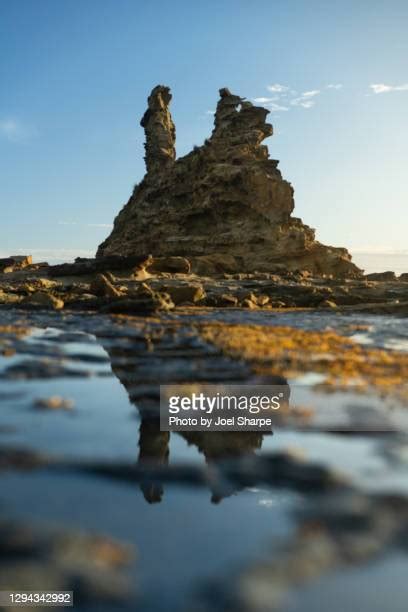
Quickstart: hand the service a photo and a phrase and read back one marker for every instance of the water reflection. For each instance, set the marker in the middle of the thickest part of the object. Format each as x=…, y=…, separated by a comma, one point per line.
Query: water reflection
x=183, y=358
x=154, y=452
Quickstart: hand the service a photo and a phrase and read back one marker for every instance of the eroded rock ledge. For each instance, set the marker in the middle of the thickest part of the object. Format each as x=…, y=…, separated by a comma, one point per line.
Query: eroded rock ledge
x=225, y=205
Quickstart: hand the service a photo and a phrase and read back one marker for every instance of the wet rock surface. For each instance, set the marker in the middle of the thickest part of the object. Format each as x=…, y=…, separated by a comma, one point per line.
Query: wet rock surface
x=34, y=558
x=287, y=511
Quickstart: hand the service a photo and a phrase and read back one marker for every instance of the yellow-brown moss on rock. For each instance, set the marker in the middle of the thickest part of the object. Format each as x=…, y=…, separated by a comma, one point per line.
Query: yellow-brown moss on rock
x=291, y=352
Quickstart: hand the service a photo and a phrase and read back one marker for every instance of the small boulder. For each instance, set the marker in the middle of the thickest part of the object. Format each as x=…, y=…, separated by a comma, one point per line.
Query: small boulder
x=8, y=298
x=144, y=301
x=185, y=293
x=328, y=304
x=226, y=299
x=381, y=277
x=262, y=300
x=40, y=299
x=46, y=283
x=170, y=264
x=15, y=262
x=249, y=303
x=102, y=287
x=55, y=402
x=254, y=301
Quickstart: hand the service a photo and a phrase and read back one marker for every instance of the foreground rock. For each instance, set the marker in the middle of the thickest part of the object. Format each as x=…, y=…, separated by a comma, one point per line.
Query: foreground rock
x=41, y=299
x=40, y=559
x=144, y=285
x=224, y=206
x=382, y=276
x=15, y=262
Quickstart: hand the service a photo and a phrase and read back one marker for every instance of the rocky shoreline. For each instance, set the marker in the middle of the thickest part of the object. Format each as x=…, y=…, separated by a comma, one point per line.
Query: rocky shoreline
x=243, y=293
x=142, y=285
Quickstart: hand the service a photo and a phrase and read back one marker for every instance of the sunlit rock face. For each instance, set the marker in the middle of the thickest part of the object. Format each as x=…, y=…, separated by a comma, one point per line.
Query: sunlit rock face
x=225, y=205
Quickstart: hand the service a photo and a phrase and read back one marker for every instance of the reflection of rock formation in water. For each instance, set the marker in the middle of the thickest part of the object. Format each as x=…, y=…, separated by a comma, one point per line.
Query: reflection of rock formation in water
x=215, y=446
x=221, y=446
x=153, y=452
x=143, y=363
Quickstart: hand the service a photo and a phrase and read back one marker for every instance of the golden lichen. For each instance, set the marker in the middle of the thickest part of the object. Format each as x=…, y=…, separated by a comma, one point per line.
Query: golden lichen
x=292, y=352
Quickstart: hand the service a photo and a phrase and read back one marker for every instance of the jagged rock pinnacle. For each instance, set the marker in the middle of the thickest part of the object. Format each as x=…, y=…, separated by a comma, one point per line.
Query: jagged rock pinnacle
x=159, y=129
x=224, y=206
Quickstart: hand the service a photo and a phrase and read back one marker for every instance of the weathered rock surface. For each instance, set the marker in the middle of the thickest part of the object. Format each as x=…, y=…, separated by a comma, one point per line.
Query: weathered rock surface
x=382, y=276
x=84, y=266
x=225, y=205
x=41, y=299
x=15, y=262
x=102, y=287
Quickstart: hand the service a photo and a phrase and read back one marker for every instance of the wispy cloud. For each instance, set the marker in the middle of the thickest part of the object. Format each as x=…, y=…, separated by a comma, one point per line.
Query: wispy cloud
x=379, y=88
x=334, y=86
x=15, y=131
x=273, y=107
x=283, y=99
x=305, y=100
x=310, y=94
x=99, y=224
x=210, y=112
x=262, y=100
x=109, y=225
x=277, y=88
x=270, y=103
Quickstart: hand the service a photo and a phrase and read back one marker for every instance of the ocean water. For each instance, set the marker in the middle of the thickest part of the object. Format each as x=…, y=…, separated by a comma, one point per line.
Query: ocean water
x=370, y=262
x=381, y=262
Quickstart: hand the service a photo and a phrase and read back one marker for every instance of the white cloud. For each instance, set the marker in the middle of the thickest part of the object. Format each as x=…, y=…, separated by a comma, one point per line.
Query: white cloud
x=85, y=224
x=210, y=112
x=305, y=99
x=263, y=100
x=280, y=101
x=14, y=131
x=310, y=94
x=304, y=102
x=276, y=107
x=100, y=225
x=277, y=88
x=379, y=88
x=307, y=103
x=334, y=86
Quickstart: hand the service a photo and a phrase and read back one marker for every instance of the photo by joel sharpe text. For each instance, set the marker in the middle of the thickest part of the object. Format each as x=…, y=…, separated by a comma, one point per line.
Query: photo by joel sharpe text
x=221, y=406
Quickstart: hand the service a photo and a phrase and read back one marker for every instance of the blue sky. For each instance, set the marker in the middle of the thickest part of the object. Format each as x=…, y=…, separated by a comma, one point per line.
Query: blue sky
x=75, y=75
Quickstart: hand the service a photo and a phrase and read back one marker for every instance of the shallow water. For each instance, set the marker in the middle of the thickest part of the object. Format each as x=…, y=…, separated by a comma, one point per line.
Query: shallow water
x=185, y=531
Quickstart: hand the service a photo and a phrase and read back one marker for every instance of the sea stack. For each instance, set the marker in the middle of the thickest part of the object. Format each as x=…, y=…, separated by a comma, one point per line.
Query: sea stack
x=224, y=206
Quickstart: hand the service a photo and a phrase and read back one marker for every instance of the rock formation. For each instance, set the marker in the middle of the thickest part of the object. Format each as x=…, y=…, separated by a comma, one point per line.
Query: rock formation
x=224, y=206
x=160, y=130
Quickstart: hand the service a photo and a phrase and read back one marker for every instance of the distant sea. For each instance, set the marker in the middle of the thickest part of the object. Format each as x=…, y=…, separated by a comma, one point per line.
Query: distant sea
x=370, y=262
x=381, y=262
